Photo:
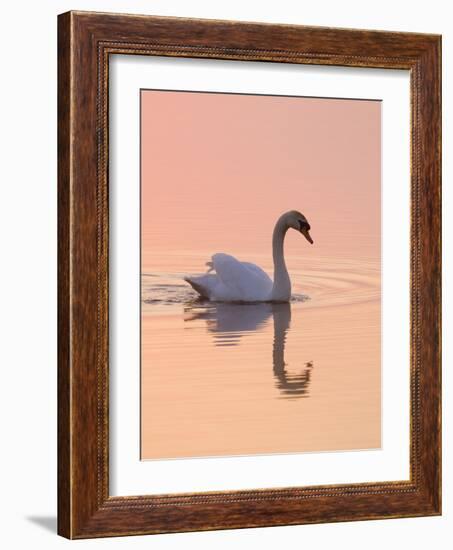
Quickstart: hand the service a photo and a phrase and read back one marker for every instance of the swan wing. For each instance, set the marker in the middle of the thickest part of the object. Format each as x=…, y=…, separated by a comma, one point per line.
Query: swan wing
x=241, y=281
x=257, y=269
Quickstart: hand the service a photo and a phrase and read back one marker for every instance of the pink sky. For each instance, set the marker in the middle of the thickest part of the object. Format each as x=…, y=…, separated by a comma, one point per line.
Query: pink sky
x=218, y=169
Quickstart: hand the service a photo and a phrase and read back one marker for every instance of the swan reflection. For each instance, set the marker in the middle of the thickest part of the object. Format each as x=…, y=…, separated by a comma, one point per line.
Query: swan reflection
x=230, y=322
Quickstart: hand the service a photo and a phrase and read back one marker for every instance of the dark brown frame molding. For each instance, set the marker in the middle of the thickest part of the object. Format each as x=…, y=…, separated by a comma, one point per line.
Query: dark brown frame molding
x=85, y=42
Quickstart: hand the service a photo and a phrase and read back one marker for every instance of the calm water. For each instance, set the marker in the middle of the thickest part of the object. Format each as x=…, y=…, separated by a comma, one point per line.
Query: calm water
x=232, y=379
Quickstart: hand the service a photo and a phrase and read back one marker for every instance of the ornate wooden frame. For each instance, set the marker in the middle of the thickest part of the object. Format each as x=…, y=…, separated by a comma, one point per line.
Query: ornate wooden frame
x=85, y=42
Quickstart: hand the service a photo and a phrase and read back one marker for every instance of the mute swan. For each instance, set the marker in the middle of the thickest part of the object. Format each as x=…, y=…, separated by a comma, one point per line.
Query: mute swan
x=236, y=281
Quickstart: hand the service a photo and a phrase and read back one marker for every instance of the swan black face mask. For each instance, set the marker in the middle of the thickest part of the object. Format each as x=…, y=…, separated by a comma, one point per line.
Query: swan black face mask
x=304, y=228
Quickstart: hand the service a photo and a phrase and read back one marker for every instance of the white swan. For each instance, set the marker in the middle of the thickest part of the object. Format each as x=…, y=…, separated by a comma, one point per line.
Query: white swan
x=236, y=281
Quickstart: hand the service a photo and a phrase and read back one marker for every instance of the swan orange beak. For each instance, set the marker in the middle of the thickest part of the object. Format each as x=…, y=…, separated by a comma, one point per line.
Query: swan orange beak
x=306, y=234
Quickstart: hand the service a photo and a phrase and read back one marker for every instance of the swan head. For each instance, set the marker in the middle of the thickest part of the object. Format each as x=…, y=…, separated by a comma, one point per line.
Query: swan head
x=296, y=220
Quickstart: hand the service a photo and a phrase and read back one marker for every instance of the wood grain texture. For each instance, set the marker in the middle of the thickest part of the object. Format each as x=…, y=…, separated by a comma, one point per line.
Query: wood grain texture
x=64, y=423
x=85, y=42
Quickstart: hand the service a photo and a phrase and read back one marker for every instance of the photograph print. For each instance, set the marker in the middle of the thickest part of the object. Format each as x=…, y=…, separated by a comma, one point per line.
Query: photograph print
x=260, y=274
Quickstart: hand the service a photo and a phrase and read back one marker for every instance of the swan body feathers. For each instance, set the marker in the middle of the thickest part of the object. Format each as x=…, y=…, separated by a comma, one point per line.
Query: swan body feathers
x=234, y=281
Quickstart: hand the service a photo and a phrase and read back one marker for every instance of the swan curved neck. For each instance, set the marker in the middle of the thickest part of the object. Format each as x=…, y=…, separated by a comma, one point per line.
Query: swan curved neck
x=281, y=289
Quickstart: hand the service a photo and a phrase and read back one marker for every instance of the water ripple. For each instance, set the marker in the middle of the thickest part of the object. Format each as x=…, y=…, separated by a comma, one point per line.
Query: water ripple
x=323, y=284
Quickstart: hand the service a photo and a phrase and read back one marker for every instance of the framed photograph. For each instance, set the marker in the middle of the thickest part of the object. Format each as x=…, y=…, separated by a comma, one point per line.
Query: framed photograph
x=249, y=275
